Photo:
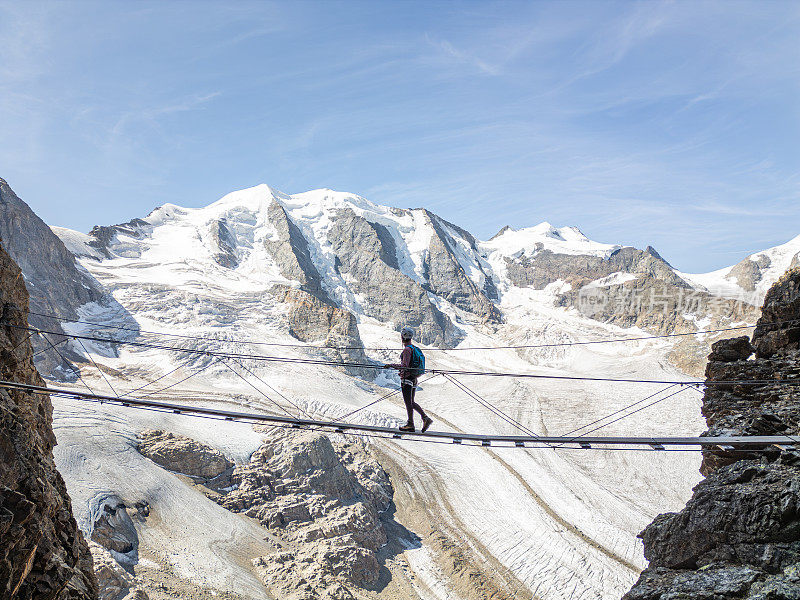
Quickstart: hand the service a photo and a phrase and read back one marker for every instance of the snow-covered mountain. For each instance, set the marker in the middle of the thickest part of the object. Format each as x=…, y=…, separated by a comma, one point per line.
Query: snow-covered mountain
x=335, y=270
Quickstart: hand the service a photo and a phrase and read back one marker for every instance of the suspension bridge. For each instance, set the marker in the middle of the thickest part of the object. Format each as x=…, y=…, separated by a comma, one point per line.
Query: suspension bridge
x=527, y=439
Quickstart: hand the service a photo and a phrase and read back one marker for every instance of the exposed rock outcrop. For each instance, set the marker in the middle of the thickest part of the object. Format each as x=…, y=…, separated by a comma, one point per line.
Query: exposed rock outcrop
x=113, y=529
x=446, y=275
x=103, y=236
x=366, y=253
x=739, y=535
x=638, y=288
x=291, y=253
x=749, y=272
x=182, y=454
x=324, y=501
x=114, y=581
x=56, y=283
x=319, y=499
x=43, y=554
x=314, y=321
x=225, y=243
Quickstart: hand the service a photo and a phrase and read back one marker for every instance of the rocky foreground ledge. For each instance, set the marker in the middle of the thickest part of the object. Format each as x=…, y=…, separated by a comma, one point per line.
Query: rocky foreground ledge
x=43, y=555
x=739, y=535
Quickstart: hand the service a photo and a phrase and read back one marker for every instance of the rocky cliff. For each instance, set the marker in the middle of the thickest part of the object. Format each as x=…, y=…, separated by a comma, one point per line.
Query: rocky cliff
x=56, y=283
x=320, y=500
x=739, y=535
x=43, y=555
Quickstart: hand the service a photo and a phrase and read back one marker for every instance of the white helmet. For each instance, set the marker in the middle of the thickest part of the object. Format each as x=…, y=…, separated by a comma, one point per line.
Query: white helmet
x=407, y=333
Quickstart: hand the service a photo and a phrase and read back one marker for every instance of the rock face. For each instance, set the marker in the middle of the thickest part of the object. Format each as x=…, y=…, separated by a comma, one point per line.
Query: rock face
x=56, y=283
x=446, y=275
x=323, y=501
x=182, y=454
x=43, y=555
x=114, y=581
x=749, y=272
x=637, y=288
x=291, y=253
x=320, y=500
x=314, y=321
x=366, y=253
x=739, y=535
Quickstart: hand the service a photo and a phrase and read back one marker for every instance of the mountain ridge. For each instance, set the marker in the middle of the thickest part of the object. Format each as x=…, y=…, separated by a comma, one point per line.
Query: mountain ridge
x=526, y=240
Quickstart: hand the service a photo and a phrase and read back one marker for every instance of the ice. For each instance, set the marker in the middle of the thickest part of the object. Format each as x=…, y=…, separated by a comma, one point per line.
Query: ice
x=76, y=242
x=617, y=278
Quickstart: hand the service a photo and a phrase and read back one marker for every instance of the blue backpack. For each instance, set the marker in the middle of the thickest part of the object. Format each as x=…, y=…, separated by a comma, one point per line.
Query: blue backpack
x=417, y=366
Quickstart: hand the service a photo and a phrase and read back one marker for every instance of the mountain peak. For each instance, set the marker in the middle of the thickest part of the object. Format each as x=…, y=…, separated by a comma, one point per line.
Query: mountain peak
x=544, y=236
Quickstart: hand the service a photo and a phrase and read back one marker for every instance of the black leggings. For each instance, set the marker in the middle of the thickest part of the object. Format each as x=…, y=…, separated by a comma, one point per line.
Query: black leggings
x=411, y=406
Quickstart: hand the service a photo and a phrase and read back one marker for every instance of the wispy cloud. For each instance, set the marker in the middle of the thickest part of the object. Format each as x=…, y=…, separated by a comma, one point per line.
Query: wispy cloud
x=448, y=53
x=761, y=210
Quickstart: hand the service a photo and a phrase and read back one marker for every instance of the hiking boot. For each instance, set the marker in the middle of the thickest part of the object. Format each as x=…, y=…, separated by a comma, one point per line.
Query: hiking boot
x=426, y=422
x=407, y=427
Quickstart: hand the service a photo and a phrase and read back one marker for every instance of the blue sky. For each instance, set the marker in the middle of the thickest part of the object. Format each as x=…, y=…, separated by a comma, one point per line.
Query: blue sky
x=674, y=124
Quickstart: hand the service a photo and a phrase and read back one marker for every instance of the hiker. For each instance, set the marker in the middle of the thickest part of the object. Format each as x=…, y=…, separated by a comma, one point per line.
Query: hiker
x=412, y=364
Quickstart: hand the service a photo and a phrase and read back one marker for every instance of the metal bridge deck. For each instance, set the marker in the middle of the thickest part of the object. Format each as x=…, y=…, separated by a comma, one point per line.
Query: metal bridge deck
x=741, y=443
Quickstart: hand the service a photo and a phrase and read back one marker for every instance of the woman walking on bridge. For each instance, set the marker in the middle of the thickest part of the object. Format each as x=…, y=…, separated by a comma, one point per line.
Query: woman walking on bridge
x=411, y=366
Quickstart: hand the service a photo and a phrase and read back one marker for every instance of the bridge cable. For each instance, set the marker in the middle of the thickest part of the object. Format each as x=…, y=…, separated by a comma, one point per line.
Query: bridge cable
x=384, y=397
x=289, y=360
x=97, y=367
x=159, y=378
x=261, y=392
x=43, y=350
x=298, y=408
x=78, y=372
x=311, y=346
x=616, y=412
x=389, y=433
x=489, y=406
x=172, y=385
x=675, y=393
x=25, y=339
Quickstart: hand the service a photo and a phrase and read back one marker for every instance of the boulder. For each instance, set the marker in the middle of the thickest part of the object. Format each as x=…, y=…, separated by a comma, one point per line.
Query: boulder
x=323, y=499
x=182, y=454
x=731, y=350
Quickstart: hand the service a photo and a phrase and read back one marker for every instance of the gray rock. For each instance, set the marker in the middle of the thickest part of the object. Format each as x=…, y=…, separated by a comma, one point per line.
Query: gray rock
x=115, y=583
x=778, y=329
x=739, y=535
x=545, y=267
x=314, y=321
x=748, y=272
x=182, y=454
x=446, y=276
x=367, y=254
x=731, y=350
x=112, y=528
x=325, y=500
x=56, y=283
x=104, y=236
x=42, y=552
x=291, y=253
x=225, y=243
